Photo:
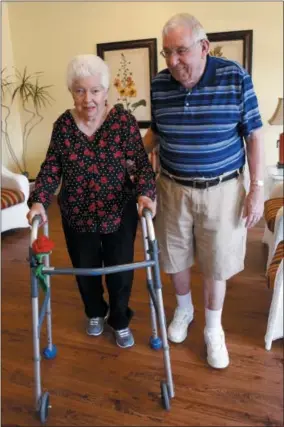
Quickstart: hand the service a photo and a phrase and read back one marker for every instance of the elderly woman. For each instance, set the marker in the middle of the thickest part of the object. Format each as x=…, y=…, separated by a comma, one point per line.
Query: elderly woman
x=95, y=148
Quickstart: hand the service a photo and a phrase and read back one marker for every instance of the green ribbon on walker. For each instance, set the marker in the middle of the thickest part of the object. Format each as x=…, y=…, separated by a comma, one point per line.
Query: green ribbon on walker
x=42, y=278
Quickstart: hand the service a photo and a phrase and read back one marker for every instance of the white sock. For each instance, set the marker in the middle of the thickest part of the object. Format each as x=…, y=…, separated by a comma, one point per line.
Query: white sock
x=185, y=302
x=213, y=319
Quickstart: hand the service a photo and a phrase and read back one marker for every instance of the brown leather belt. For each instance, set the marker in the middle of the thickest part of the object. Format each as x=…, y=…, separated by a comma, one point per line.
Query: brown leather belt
x=205, y=184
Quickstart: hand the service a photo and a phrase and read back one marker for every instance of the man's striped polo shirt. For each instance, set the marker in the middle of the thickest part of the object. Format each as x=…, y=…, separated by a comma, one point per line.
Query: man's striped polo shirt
x=202, y=130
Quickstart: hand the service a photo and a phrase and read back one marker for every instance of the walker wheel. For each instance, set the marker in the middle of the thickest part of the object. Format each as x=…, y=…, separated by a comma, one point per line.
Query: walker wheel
x=165, y=396
x=44, y=407
x=155, y=343
x=50, y=354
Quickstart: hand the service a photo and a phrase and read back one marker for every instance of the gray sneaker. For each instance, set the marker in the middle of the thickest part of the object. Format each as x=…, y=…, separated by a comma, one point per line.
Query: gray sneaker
x=124, y=338
x=96, y=325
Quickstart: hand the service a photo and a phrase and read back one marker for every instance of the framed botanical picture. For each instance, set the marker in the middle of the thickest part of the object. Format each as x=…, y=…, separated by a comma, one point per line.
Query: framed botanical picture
x=235, y=45
x=132, y=64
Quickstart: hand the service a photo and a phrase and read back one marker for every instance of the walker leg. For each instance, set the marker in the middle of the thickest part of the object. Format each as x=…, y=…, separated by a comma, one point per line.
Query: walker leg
x=36, y=341
x=155, y=340
x=50, y=351
x=167, y=361
x=41, y=400
x=162, y=319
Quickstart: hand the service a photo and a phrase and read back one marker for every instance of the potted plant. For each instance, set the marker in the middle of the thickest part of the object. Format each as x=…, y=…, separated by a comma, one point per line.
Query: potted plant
x=32, y=98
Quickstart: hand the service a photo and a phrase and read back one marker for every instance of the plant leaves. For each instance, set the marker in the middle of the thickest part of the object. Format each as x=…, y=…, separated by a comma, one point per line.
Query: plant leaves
x=138, y=103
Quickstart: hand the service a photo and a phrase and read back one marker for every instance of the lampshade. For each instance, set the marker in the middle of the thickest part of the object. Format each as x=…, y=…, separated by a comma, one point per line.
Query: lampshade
x=277, y=118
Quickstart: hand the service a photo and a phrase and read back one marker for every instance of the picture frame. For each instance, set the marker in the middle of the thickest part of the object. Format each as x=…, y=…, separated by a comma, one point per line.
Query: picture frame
x=133, y=64
x=235, y=45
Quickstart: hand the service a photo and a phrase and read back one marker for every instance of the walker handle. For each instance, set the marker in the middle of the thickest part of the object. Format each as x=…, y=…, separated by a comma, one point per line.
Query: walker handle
x=147, y=214
x=35, y=226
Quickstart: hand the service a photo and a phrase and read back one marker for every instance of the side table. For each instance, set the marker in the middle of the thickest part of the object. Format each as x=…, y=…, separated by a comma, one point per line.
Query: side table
x=273, y=175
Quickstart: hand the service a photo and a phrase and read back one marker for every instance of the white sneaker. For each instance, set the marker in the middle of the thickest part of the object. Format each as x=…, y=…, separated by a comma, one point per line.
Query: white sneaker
x=217, y=353
x=177, y=331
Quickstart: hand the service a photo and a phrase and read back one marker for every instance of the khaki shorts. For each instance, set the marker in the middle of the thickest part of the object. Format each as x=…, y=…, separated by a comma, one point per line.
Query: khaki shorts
x=206, y=223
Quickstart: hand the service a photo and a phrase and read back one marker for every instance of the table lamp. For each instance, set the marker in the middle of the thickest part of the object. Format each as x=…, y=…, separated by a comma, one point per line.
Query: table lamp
x=277, y=119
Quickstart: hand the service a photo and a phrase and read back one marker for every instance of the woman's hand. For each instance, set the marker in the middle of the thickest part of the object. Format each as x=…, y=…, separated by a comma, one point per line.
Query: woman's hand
x=37, y=209
x=146, y=202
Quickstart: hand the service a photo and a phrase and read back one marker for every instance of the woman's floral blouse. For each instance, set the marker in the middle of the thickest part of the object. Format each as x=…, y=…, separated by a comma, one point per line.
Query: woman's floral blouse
x=95, y=171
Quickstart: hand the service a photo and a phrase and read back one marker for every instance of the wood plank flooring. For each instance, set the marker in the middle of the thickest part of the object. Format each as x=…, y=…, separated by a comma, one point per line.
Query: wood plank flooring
x=92, y=382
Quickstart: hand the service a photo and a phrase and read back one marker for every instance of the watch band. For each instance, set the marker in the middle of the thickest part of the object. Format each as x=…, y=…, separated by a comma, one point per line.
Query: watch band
x=258, y=182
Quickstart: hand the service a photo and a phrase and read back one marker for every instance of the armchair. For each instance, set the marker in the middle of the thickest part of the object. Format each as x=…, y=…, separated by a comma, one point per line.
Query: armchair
x=14, y=196
x=274, y=269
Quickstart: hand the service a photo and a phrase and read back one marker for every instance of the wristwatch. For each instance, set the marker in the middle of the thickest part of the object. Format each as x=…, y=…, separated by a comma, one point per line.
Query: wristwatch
x=258, y=182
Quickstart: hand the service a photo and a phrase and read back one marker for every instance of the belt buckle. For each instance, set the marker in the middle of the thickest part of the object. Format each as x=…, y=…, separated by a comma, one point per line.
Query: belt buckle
x=194, y=184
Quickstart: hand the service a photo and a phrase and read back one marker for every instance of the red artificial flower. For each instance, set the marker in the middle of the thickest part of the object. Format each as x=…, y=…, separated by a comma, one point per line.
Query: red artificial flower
x=42, y=245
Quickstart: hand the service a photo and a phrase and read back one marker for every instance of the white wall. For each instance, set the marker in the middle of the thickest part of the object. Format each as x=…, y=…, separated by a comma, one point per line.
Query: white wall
x=46, y=35
x=14, y=123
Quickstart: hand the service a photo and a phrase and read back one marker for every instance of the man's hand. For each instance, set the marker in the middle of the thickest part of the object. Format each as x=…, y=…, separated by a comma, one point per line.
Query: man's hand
x=37, y=209
x=253, y=206
x=146, y=202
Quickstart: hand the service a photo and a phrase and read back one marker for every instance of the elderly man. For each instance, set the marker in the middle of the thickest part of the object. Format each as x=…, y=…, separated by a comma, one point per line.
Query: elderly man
x=203, y=110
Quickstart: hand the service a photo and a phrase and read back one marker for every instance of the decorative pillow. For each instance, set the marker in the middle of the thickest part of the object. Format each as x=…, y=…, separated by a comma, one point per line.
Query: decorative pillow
x=271, y=208
x=11, y=197
x=275, y=262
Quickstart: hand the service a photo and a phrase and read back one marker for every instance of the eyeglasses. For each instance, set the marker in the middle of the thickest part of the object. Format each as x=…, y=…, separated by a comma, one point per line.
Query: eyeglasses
x=80, y=92
x=180, y=51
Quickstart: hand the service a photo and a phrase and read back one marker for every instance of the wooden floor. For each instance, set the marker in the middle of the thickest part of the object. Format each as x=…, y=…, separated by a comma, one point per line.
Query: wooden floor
x=92, y=382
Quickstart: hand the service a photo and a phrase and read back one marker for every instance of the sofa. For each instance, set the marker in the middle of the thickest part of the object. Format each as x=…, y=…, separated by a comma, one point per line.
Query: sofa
x=274, y=237
x=14, y=196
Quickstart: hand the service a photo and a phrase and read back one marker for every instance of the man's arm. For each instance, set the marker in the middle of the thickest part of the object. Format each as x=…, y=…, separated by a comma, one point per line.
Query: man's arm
x=255, y=155
x=254, y=203
x=150, y=140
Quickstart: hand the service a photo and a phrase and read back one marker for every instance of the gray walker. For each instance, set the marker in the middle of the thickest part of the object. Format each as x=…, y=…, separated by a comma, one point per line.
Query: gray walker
x=154, y=285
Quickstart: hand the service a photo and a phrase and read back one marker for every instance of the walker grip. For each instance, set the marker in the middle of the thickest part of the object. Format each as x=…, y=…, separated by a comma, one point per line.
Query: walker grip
x=147, y=215
x=146, y=212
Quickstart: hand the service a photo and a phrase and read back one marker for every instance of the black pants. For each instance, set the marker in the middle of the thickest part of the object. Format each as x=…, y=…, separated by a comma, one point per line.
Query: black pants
x=95, y=250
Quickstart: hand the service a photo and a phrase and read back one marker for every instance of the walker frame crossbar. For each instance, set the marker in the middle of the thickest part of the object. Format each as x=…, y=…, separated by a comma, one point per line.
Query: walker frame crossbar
x=154, y=286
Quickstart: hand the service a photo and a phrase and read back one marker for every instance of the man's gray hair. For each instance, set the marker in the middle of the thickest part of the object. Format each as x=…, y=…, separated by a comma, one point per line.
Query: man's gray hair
x=188, y=21
x=87, y=66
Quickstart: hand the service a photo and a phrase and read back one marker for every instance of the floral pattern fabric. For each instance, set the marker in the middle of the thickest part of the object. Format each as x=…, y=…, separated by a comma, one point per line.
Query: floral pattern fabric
x=95, y=171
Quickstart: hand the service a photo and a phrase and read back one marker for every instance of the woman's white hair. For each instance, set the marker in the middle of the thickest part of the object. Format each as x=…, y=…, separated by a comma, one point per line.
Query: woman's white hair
x=188, y=21
x=87, y=66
